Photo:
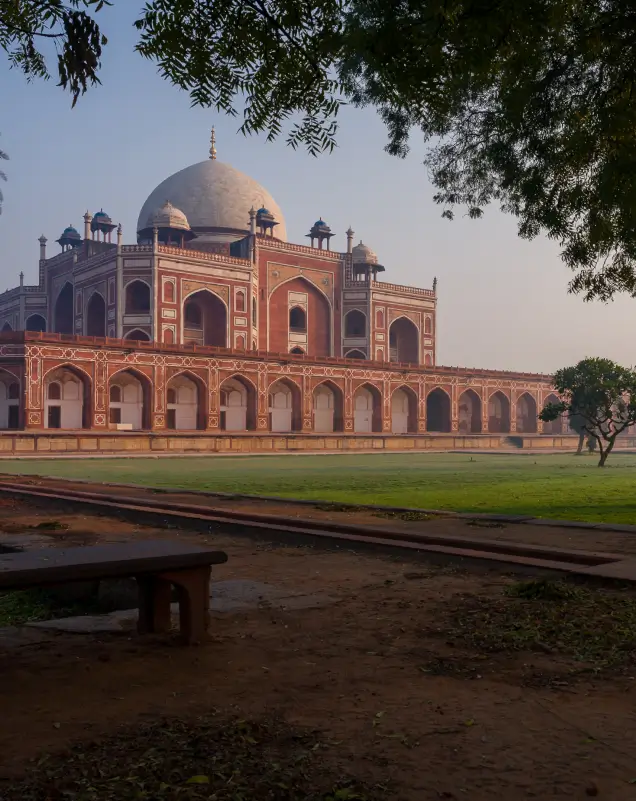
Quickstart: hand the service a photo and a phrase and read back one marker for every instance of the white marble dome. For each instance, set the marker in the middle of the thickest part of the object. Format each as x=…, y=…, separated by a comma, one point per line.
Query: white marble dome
x=213, y=195
x=168, y=217
x=361, y=254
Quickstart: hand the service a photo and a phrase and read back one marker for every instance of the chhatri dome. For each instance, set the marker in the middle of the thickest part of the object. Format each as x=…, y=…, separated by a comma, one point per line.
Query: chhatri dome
x=215, y=198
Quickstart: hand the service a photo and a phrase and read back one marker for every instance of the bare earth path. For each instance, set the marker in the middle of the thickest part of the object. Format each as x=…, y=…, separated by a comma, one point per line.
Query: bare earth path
x=373, y=666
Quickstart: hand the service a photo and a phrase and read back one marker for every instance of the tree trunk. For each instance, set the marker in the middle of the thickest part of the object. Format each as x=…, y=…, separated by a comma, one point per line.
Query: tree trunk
x=579, y=450
x=605, y=453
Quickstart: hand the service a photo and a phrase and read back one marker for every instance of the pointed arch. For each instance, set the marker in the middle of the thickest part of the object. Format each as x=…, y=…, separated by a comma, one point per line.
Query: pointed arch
x=554, y=426
x=238, y=403
x=6, y=328
x=285, y=405
x=96, y=316
x=328, y=407
x=318, y=311
x=355, y=323
x=469, y=412
x=187, y=410
x=404, y=410
x=134, y=408
x=355, y=354
x=138, y=335
x=70, y=405
x=63, y=315
x=367, y=409
x=404, y=341
x=438, y=411
x=35, y=322
x=205, y=319
x=137, y=297
x=526, y=414
x=498, y=413
x=297, y=320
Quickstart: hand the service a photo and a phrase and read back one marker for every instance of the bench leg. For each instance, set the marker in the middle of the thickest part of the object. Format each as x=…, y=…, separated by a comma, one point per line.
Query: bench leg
x=154, y=605
x=194, y=601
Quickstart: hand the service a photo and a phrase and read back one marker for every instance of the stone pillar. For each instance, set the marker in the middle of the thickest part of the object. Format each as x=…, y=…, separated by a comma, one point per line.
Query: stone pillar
x=307, y=404
x=485, y=411
x=33, y=398
x=348, y=404
x=386, y=407
x=158, y=395
x=100, y=392
x=421, y=406
x=262, y=412
x=213, y=422
x=454, y=409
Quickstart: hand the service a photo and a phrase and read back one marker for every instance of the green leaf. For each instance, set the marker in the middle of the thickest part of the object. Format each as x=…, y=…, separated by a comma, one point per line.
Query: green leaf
x=198, y=780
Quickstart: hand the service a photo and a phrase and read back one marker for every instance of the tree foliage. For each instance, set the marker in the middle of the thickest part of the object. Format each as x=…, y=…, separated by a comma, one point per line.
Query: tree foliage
x=528, y=104
x=601, y=395
x=26, y=24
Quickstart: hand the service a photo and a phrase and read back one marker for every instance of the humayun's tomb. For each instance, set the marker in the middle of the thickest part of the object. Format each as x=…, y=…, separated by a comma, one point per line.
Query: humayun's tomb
x=213, y=332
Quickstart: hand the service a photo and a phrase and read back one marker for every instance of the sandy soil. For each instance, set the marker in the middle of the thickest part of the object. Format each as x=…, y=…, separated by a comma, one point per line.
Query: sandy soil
x=360, y=669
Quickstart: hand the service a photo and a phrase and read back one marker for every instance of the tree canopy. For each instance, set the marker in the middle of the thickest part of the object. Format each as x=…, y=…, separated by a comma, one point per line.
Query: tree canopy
x=527, y=104
x=601, y=395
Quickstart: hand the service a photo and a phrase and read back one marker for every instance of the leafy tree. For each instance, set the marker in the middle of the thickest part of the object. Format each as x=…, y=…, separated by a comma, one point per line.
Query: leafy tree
x=599, y=393
x=528, y=104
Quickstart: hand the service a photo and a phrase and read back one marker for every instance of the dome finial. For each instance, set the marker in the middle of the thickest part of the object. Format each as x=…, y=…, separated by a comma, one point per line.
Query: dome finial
x=212, y=144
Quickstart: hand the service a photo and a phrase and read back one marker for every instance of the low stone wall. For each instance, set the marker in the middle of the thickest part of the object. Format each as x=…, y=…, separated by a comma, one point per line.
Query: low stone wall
x=22, y=443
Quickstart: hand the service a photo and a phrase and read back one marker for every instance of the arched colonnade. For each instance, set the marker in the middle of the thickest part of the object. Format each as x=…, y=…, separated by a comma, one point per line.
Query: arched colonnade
x=136, y=398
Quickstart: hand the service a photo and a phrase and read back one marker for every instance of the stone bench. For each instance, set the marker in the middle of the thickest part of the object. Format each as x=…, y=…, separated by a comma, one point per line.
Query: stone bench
x=157, y=566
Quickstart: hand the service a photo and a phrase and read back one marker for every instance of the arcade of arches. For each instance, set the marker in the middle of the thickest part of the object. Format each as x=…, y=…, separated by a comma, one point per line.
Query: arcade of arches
x=67, y=394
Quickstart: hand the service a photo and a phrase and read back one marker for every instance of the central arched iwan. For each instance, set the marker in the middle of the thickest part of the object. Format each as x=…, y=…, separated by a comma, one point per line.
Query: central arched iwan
x=318, y=318
x=205, y=319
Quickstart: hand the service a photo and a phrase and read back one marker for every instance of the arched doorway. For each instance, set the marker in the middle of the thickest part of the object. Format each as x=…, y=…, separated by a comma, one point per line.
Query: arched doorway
x=137, y=336
x=6, y=328
x=526, y=414
x=469, y=412
x=35, y=323
x=404, y=339
x=137, y=297
x=96, y=316
x=184, y=398
x=438, y=411
x=328, y=406
x=205, y=320
x=129, y=395
x=67, y=399
x=63, y=315
x=554, y=426
x=315, y=337
x=498, y=413
x=367, y=409
x=238, y=404
x=355, y=324
x=284, y=406
x=404, y=411
x=355, y=354
x=9, y=401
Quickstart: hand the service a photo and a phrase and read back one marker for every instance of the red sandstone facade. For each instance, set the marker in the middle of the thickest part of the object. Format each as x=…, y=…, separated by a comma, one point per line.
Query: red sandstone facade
x=224, y=326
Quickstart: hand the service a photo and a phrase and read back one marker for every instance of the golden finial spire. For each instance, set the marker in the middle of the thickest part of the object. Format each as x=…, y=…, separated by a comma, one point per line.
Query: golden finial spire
x=213, y=144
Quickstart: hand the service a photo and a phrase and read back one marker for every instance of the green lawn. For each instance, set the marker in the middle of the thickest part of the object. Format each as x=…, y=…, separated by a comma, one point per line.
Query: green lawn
x=559, y=486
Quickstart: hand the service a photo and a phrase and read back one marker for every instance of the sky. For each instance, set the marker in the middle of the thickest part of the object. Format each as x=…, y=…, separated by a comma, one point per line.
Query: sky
x=502, y=301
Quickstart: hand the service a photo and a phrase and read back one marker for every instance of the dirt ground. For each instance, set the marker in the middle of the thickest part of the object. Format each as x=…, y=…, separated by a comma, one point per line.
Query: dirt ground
x=376, y=670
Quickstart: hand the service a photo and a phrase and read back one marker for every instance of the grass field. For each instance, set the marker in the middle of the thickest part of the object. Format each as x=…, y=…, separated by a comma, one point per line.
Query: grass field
x=557, y=486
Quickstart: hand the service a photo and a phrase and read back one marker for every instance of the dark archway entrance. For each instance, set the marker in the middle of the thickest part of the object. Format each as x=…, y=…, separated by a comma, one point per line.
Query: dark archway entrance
x=64, y=311
x=469, y=408
x=498, y=414
x=96, y=316
x=35, y=323
x=438, y=411
x=403, y=341
x=526, y=414
x=554, y=426
x=205, y=320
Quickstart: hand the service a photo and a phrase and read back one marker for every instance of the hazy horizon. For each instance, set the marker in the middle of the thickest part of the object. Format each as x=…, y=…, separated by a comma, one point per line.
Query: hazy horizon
x=502, y=301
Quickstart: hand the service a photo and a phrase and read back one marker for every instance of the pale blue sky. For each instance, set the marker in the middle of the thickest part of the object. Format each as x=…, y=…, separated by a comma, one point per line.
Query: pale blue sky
x=502, y=301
